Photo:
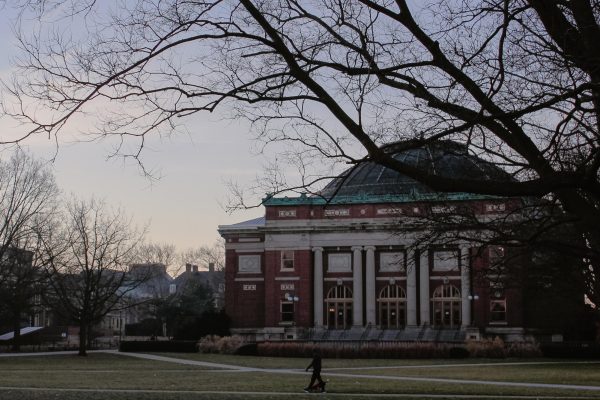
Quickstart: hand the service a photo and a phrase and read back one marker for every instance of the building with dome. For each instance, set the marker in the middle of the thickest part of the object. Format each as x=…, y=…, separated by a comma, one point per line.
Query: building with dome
x=347, y=264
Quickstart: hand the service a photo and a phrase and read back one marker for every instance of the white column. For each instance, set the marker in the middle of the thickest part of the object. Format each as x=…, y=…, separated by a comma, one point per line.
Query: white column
x=465, y=285
x=318, y=287
x=411, y=289
x=357, y=298
x=424, y=287
x=370, y=286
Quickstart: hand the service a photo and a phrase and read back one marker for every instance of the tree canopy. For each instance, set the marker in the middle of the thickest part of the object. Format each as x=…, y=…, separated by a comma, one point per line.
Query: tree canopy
x=517, y=82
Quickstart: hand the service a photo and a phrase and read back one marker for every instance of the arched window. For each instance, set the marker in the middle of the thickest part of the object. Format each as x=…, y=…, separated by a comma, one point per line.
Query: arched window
x=446, y=306
x=339, y=307
x=392, y=307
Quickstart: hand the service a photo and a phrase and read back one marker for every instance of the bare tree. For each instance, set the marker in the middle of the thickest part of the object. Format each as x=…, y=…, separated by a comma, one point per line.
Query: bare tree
x=517, y=82
x=205, y=255
x=156, y=253
x=28, y=201
x=87, y=269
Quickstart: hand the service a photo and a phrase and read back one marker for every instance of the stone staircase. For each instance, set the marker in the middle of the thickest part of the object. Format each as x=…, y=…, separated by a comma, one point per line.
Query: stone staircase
x=408, y=334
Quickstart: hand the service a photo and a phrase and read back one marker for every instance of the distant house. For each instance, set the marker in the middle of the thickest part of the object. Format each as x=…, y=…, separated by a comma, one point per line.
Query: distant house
x=154, y=283
x=215, y=280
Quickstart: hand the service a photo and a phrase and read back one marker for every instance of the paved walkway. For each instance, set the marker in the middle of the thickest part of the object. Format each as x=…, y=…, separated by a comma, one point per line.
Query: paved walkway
x=496, y=364
x=153, y=357
x=331, y=372
x=46, y=353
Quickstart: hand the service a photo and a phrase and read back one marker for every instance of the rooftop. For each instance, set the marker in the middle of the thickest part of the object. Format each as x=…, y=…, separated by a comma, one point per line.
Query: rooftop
x=370, y=182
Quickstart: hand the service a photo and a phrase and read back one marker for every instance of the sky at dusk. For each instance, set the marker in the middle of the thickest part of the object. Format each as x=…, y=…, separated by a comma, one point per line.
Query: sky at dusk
x=183, y=206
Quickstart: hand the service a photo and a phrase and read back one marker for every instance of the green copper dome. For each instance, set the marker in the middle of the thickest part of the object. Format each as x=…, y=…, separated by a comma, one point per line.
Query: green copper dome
x=442, y=158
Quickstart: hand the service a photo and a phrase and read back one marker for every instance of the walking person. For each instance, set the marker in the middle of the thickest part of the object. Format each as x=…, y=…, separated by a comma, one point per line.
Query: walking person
x=316, y=374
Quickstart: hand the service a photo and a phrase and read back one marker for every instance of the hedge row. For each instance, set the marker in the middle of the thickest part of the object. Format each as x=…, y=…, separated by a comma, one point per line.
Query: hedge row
x=172, y=346
x=571, y=350
x=485, y=348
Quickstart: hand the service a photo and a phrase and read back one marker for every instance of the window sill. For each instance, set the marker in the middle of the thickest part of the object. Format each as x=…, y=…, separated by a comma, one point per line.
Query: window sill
x=286, y=323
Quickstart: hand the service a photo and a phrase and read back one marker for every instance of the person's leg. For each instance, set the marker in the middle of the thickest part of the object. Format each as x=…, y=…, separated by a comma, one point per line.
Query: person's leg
x=313, y=378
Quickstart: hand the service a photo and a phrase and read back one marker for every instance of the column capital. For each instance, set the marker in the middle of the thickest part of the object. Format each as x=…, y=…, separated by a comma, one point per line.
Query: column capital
x=317, y=249
x=371, y=248
x=356, y=248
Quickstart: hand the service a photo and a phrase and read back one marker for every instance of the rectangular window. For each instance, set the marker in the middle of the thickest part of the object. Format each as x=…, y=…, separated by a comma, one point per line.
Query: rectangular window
x=287, y=259
x=498, y=311
x=287, y=311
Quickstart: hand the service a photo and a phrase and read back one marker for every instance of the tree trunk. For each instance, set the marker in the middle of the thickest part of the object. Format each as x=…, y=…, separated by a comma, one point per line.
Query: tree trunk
x=83, y=333
x=16, y=342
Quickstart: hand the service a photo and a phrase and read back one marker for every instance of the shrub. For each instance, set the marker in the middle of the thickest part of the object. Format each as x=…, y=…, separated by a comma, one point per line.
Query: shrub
x=355, y=349
x=496, y=348
x=208, y=344
x=146, y=327
x=458, y=352
x=571, y=350
x=487, y=348
x=248, y=349
x=523, y=349
x=209, y=323
x=222, y=345
x=229, y=344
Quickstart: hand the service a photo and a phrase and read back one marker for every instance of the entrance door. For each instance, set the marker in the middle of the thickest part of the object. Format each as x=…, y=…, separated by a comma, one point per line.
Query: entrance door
x=446, y=307
x=339, y=308
x=392, y=307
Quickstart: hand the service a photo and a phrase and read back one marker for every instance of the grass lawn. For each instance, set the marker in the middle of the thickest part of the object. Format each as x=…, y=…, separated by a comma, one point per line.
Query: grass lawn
x=107, y=376
x=568, y=374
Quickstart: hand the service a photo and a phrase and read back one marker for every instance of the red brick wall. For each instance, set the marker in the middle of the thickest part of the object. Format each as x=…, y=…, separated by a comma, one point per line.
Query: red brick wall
x=274, y=293
x=245, y=307
x=481, y=287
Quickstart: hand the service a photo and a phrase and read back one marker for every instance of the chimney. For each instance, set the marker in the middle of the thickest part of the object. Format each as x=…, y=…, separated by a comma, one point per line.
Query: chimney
x=211, y=267
x=188, y=267
x=195, y=268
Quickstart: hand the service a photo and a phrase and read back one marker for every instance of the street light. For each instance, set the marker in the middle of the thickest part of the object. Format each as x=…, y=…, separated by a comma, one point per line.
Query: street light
x=290, y=297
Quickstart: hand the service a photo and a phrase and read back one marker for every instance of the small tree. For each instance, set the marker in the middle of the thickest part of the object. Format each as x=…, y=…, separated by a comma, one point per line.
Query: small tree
x=182, y=310
x=87, y=271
